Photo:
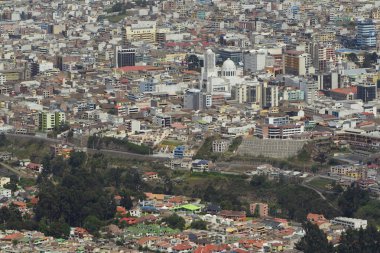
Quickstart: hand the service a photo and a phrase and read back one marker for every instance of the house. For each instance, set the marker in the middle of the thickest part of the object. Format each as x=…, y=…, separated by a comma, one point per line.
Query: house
x=121, y=210
x=78, y=232
x=5, y=156
x=12, y=237
x=200, y=166
x=212, y=209
x=5, y=193
x=182, y=248
x=135, y=212
x=4, y=181
x=234, y=215
x=319, y=220
x=128, y=221
x=148, y=176
x=147, y=241
x=35, y=167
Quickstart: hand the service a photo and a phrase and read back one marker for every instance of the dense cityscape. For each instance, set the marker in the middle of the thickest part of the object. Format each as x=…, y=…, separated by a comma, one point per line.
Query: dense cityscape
x=183, y=126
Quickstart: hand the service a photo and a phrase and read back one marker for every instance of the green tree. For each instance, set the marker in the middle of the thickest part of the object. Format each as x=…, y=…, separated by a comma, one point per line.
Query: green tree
x=360, y=241
x=198, y=224
x=314, y=241
x=92, y=224
x=353, y=57
x=370, y=212
x=59, y=229
x=175, y=221
x=77, y=159
x=352, y=199
x=126, y=201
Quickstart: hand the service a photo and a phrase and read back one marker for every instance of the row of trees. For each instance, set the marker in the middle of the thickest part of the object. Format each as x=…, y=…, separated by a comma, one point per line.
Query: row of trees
x=351, y=241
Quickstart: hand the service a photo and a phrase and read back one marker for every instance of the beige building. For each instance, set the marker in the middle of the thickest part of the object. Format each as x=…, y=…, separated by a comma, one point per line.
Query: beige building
x=142, y=31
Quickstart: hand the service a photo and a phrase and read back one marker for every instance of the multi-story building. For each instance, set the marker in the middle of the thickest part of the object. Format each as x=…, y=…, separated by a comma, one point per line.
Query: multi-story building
x=293, y=95
x=260, y=209
x=50, y=120
x=142, y=31
x=254, y=61
x=366, y=92
x=270, y=95
x=194, y=99
x=162, y=120
x=366, y=34
x=266, y=131
x=232, y=53
x=125, y=57
x=349, y=222
x=220, y=146
x=278, y=121
x=296, y=63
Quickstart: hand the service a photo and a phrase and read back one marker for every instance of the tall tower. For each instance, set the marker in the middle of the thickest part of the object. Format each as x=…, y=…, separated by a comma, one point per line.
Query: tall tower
x=209, y=62
x=209, y=69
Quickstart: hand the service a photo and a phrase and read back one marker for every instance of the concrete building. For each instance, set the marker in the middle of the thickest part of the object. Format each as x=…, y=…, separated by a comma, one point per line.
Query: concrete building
x=296, y=63
x=261, y=209
x=194, y=99
x=50, y=120
x=142, y=31
x=220, y=146
x=349, y=222
x=366, y=92
x=366, y=34
x=232, y=53
x=125, y=57
x=162, y=120
x=254, y=61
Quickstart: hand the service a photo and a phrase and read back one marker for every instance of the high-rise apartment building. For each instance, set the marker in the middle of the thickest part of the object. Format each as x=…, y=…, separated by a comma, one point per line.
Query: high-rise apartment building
x=366, y=34
x=125, y=57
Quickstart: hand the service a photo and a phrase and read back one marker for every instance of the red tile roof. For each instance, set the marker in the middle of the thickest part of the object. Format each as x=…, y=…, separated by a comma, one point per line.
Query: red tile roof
x=346, y=90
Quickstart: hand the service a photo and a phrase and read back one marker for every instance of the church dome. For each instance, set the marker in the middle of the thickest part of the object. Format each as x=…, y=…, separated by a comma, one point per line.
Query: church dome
x=228, y=65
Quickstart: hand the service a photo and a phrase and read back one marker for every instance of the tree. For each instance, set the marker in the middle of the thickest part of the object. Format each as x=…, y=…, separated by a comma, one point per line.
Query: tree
x=193, y=62
x=59, y=229
x=198, y=224
x=92, y=224
x=360, y=241
x=314, y=241
x=370, y=212
x=175, y=222
x=77, y=159
x=126, y=201
x=353, y=57
x=352, y=199
x=3, y=140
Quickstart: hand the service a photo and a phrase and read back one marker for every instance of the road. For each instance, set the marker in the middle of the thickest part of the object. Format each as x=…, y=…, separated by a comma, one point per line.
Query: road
x=122, y=154
x=19, y=173
x=319, y=192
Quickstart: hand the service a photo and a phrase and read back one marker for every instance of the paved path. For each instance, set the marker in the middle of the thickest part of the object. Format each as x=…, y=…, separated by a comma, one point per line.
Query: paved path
x=319, y=192
x=19, y=173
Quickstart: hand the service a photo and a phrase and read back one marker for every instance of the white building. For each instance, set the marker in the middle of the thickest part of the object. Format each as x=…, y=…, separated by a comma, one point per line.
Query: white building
x=350, y=222
x=4, y=181
x=5, y=193
x=220, y=146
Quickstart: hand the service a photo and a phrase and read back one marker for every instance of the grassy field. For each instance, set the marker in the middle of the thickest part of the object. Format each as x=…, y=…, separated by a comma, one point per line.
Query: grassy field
x=321, y=183
x=116, y=18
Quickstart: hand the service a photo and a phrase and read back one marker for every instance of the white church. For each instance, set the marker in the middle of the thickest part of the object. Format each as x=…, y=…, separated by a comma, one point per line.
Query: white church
x=219, y=80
